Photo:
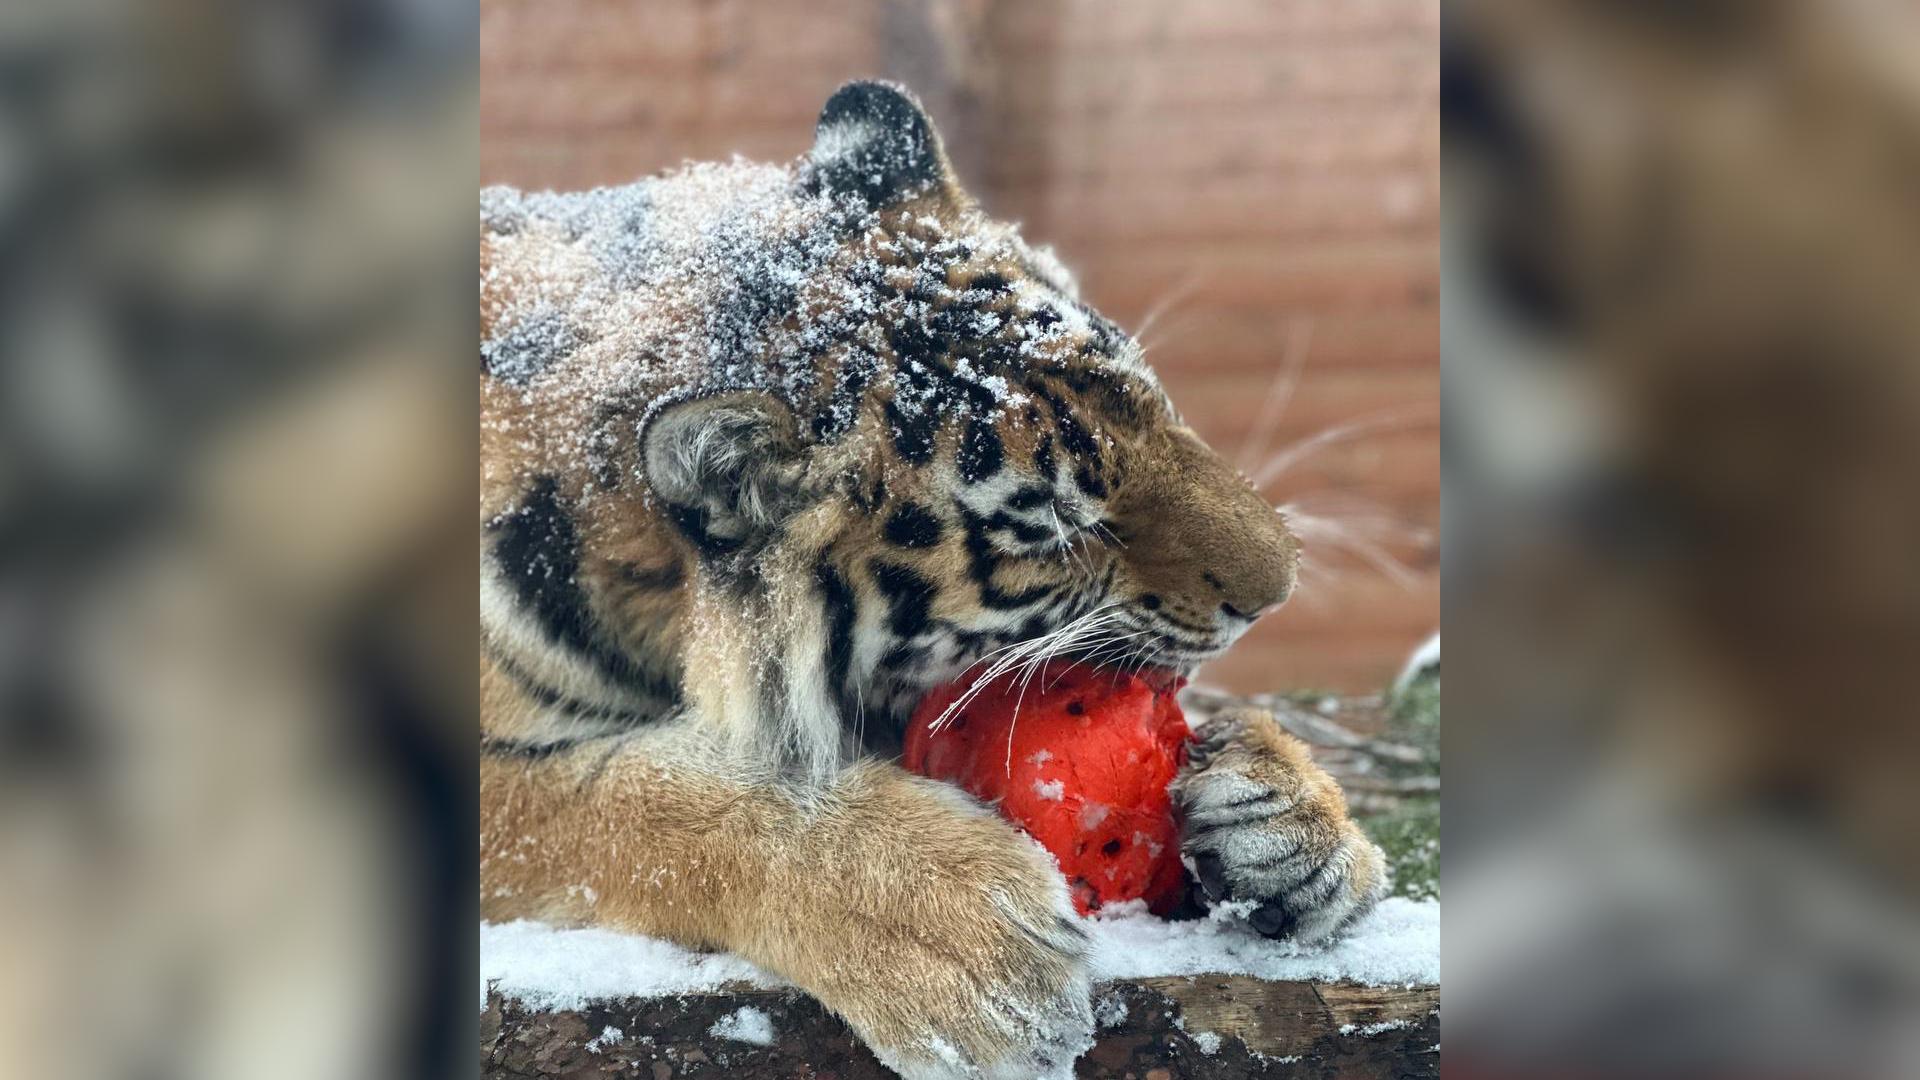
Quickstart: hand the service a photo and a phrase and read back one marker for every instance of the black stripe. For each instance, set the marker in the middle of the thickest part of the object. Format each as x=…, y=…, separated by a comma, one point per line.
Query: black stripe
x=538, y=552
x=916, y=350
x=1075, y=439
x=841, y=612
x=991, y=281
x=1030, y=497
x=531, y=751
x=913, y=526
x=1090, y=482
x=1180, y=624
x=909, y=598
x=981, y=563
x=842, y=407
x=1023, y=532
x=913, y=435
x=1035, y=625
x=981, y=451
x=548, y=698
x=1043, y=458
x=904, y=657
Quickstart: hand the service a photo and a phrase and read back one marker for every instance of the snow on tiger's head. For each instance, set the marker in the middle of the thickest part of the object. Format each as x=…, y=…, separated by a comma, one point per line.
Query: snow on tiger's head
x=844, y=365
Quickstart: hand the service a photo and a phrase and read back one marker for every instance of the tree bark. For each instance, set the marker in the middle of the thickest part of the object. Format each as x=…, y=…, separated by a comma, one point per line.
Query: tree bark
x=1162, y=1028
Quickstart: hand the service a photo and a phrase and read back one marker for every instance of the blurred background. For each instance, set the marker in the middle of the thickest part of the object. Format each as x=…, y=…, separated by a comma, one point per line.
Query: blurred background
x=1681, y=362
x=1249, y=186
x=237, y=616
x=1681, y=383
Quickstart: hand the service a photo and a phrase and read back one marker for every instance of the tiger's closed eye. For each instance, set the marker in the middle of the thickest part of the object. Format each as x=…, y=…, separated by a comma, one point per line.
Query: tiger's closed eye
x=1031, y=497
x=1072, y=522
x=1036, y=520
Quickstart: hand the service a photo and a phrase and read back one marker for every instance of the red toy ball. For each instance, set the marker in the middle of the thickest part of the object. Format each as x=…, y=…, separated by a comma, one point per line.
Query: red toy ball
x=1081, y=758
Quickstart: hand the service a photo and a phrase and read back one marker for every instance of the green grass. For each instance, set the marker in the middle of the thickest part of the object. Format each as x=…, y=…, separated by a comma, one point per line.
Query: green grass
x=1416, y=716
x=1410, y=834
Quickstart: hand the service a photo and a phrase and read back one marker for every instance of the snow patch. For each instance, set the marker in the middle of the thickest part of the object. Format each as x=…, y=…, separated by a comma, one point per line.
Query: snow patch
x=1368, y=1031
x=546, y=967
x=1398, y=943
x=1208, y=1042
x=745, y=1024
x=843, y=140
x=1425, y=658
x=1054, y=790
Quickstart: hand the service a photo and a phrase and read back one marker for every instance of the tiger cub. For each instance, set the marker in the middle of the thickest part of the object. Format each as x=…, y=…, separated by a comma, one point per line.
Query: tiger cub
x=767, y=451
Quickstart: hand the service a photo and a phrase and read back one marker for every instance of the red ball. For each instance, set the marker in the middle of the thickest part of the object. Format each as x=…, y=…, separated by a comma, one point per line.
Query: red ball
x=1081, y=758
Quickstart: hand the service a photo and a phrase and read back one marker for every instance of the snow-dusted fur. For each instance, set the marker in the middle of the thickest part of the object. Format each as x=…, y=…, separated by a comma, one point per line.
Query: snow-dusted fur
x=765, y=453
x=1267, y=828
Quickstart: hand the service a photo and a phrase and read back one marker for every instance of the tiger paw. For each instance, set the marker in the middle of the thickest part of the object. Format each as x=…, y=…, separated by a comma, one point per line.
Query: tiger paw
x=1265, y=828
x=955, y=952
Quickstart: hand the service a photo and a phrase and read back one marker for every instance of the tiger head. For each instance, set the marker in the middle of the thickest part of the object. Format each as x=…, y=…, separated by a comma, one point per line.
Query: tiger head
x=957, y=459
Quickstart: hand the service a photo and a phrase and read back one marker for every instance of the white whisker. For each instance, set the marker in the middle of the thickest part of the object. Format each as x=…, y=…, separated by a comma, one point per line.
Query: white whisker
x=1351, y=538
x=1279, y=394
x=1067, y=546
x=1061, y=644
x=1167, y=303
x=1011, y=656
x=1293, y=455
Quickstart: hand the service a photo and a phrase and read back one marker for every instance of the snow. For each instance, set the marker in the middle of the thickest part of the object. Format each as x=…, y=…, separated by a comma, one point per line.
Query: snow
x=1368, y=1031
x=1050, y=789
x=842, y=141
x=745, y=1024
x=1397, y=943
x=1425, y=658
x=1208, y=1042
x=608, y=1035
x=547, y=967
x=601, y=305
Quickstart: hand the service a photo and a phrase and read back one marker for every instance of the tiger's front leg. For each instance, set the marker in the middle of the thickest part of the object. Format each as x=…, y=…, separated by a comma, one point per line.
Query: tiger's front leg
x=944, y=937
x=1261, y=822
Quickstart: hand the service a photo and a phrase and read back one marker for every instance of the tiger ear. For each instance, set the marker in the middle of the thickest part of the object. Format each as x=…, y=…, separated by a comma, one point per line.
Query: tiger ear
x=727, y=467
x=874, y=142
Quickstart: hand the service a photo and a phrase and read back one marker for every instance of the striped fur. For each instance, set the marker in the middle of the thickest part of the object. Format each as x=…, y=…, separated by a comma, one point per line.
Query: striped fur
x=767, y=452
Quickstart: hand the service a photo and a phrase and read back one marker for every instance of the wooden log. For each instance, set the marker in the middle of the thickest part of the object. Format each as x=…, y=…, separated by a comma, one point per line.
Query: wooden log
x=1218, y=1027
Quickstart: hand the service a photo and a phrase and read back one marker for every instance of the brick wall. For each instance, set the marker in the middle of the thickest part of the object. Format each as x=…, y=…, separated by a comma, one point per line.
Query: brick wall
x=1264, y=171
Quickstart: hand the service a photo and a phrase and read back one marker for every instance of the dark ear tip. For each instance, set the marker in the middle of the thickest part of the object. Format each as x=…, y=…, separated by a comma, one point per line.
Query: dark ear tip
x=890, y=105
x=875, y=142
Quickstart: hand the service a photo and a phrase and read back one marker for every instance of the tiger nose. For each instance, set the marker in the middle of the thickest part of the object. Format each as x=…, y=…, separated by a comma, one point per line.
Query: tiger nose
x=1249, y=599
x=1232, y=612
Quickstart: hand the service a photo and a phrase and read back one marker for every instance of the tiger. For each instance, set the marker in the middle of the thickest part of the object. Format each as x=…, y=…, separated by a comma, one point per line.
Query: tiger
x=768, y=451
